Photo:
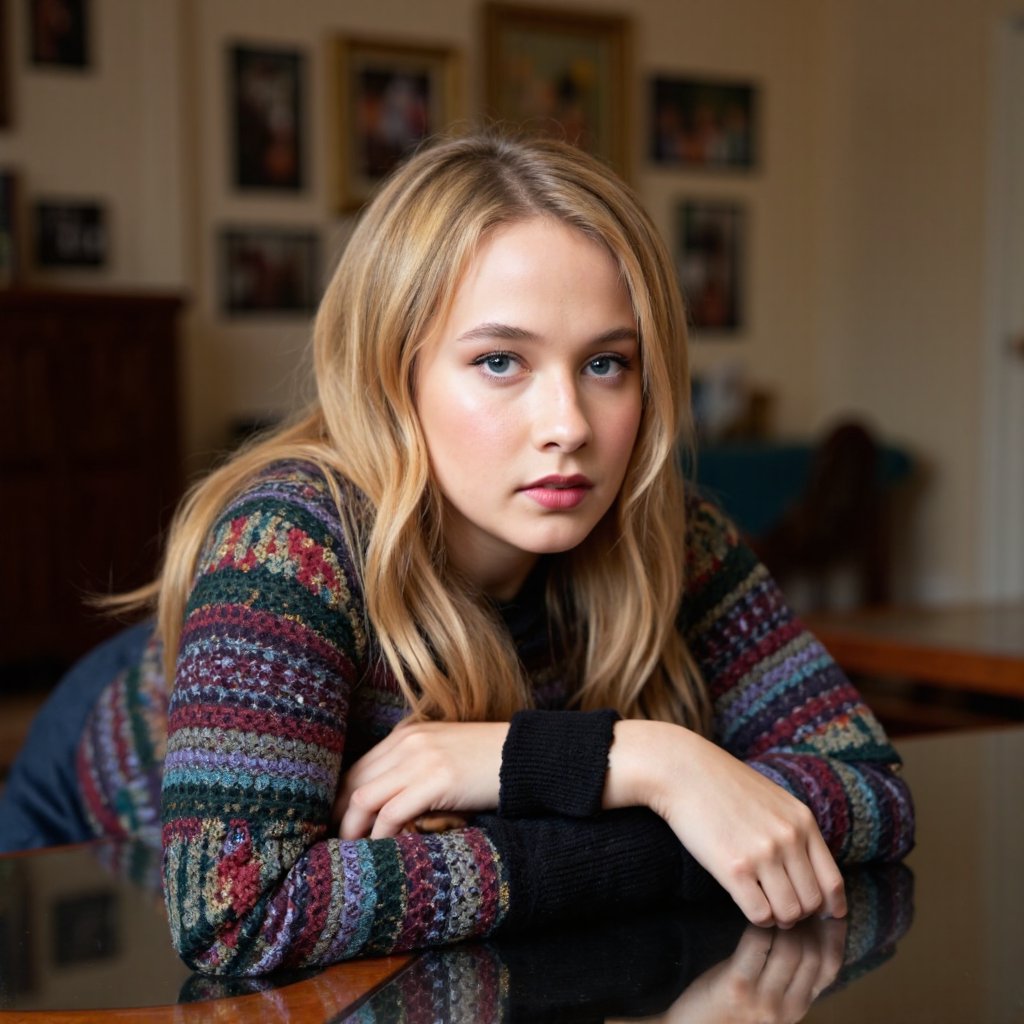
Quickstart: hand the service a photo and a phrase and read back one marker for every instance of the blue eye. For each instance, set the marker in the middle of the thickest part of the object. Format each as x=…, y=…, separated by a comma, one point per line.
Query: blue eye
x=497, y=364
x=607, y=366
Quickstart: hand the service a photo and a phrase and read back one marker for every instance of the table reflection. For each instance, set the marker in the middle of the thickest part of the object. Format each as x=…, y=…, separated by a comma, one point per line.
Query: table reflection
x=706, y=964
x=85, y=928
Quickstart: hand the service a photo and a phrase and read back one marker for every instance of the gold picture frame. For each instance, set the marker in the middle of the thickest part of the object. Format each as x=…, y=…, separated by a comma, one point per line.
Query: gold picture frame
x=390, y=97
x=562, y=72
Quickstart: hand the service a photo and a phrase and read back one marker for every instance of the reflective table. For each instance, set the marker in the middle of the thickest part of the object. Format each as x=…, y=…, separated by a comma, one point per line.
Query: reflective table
x=83, y=937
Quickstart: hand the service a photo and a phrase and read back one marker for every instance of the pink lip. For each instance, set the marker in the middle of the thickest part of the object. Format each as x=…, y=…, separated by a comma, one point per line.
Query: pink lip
x=558, y=493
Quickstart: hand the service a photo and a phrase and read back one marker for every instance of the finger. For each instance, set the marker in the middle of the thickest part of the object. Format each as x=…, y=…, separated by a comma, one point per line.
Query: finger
x=752, y=951
x=750, y=898
x=356, y=823
x=779, y=969
x=830, y=880
x=804, y=880
x=805, y=972
x=781, y=895
x=404, y=807
x=832, y=935
x=364, y=804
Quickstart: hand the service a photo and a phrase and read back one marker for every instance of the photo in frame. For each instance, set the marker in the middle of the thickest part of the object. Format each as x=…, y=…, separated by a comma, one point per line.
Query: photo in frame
x=266, y=107
x=269, y=270
x=390, y=97
x=561, y=72
x=86, y=928
x=710, y=256
x=71, y=234
x=703, y=123
x=59, y=33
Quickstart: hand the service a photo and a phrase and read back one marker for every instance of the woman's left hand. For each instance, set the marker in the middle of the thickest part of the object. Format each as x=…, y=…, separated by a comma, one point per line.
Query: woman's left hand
x=418, y=768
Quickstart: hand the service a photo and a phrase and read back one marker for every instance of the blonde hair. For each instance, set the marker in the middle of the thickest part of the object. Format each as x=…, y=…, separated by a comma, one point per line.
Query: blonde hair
x=614, y=599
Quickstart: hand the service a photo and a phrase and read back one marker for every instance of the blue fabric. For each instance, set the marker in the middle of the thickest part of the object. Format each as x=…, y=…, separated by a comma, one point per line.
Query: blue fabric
x=40, y=805
x=757, y=481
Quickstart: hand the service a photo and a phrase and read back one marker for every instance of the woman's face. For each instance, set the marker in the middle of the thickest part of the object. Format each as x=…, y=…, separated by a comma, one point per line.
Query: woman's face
x=529, y=396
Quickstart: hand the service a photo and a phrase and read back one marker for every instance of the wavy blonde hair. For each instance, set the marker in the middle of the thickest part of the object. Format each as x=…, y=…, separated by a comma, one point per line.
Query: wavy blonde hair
x=613, y=599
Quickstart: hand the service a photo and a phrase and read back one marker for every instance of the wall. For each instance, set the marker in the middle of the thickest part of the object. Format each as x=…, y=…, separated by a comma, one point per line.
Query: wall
x=903, y=209
x=868, y=231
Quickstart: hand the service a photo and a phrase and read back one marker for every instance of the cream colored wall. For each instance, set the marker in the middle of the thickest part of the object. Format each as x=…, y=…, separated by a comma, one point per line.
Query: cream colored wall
x=867, y=246
x=903, y=219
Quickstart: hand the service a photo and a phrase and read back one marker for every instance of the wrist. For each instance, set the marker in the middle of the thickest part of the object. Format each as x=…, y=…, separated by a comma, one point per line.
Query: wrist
x=640, y=763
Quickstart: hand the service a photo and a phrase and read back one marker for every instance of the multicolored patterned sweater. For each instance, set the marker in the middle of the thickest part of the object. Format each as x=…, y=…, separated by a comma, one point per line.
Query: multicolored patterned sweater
x=277, y=690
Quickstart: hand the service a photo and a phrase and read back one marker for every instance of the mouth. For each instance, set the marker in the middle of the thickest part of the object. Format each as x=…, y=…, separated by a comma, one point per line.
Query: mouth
x=560, y=483
x=559, y=493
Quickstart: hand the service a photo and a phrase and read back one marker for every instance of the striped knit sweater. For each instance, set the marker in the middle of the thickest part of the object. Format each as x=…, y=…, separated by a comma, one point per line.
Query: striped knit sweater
x=277, y=690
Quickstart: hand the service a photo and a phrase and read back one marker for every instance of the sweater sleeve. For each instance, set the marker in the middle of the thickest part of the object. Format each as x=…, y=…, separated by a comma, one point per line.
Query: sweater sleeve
x=272, y=648
x=780, y=702
x=272, y=645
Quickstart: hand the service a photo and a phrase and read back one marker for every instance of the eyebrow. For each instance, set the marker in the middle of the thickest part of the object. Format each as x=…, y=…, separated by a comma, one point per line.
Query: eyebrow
x=506, y=332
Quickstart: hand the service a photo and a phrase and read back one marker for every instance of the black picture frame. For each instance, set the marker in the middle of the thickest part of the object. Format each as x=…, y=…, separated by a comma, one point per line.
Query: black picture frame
x=59, y=33
x=710, y=255
x=86, y=928
x=269, y=270
x=71, y=234
x=267, y=93
x=703, y=123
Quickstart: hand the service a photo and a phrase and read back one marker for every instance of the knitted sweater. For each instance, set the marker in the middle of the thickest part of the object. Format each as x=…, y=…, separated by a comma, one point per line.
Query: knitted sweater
x=278, y=689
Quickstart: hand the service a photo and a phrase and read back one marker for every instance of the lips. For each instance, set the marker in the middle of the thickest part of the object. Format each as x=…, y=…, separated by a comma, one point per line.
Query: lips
x=558, y=493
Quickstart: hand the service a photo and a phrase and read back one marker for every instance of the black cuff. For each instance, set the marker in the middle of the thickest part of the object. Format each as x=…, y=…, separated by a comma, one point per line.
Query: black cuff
x=554, y=762
x=620, y=862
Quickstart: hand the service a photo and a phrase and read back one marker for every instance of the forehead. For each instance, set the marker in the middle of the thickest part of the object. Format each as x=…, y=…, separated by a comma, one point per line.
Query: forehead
x=540, y=261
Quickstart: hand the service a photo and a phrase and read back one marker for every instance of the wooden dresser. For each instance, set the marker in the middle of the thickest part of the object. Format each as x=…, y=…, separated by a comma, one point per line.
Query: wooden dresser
x=89, y=465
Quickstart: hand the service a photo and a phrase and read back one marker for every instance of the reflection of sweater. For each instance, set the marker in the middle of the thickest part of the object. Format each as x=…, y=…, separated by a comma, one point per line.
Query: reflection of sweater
x=278, y=688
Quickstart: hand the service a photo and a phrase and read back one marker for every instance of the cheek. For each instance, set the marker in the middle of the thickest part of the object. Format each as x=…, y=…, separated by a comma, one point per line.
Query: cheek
x=462, y=428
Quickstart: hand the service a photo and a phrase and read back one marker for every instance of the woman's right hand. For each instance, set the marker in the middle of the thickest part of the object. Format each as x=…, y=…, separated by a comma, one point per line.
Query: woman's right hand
x=759, y=842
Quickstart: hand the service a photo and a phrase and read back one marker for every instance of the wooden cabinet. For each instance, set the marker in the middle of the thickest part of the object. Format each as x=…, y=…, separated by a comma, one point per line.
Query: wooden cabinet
x=89, y=463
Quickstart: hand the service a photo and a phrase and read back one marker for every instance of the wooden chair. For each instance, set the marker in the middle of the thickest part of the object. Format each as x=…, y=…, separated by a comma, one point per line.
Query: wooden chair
x=838, y=521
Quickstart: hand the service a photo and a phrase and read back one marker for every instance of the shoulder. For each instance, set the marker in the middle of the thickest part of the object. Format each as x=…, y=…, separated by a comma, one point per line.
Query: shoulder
x=719, y=563
x=712, y=539
x=290, y=524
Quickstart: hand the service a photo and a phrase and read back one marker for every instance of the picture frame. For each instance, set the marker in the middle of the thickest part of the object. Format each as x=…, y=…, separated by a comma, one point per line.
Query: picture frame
x=59, y=33
x=703, y=123
x=71, y=234
x=266, y=90
x=86, y=928
x=269, y=270
x=561, y=72
x=390, y=97
x=10, y=228
x=710, y=256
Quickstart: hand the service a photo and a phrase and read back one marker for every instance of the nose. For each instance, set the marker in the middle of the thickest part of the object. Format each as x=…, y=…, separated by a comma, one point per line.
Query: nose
x=561, y=420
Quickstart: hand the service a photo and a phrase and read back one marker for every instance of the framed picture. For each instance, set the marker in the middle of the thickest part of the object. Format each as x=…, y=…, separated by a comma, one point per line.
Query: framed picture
x=85, y=928
x=710, y=252
x=703, y=123
x=269, y=270
x=561, y=72
x=266, y=106
x=71, y=234
x=59, y=33
x=10, y=234
x=391, y=97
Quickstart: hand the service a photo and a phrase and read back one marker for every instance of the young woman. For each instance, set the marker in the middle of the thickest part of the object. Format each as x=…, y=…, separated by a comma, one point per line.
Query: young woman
x=470, y=580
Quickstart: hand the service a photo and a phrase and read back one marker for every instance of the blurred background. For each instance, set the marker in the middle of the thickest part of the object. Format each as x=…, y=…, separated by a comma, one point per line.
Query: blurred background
x=839, y=182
